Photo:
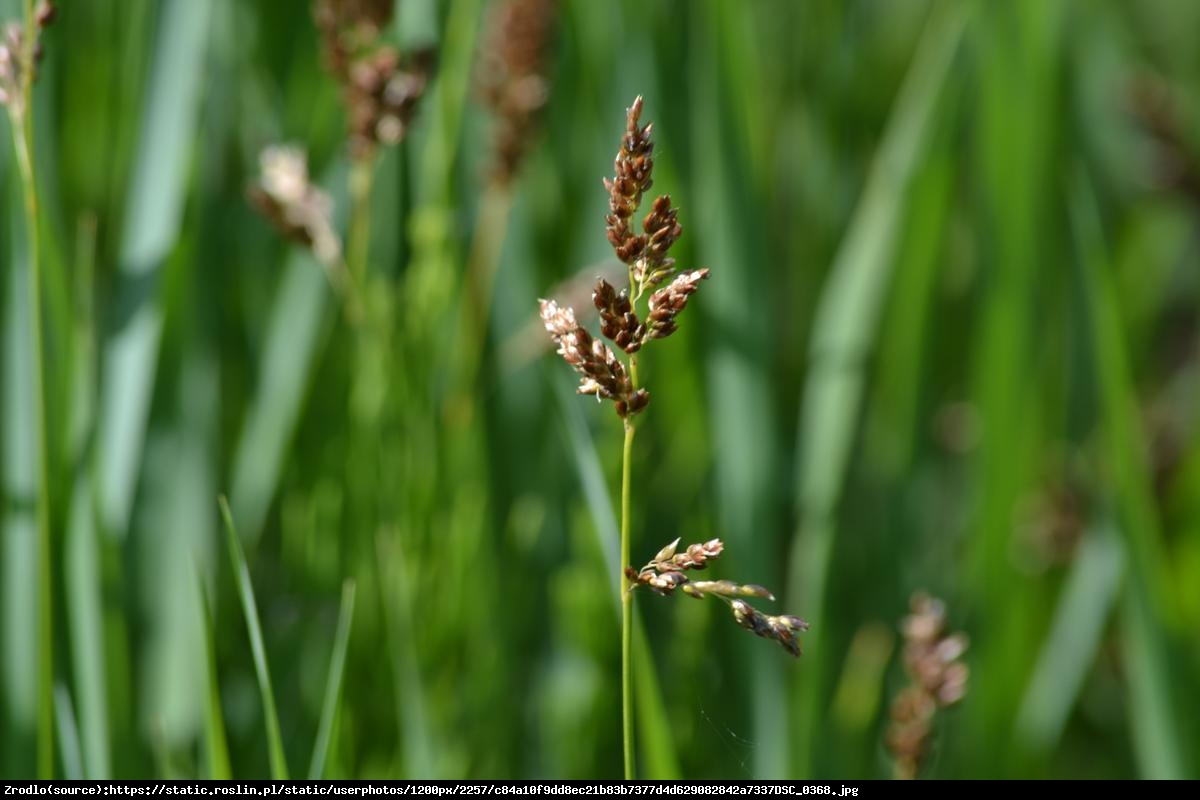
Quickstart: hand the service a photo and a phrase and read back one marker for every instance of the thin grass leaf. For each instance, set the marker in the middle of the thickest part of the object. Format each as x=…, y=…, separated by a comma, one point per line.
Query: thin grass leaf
x=279, y=770
x=1087, y=601
x=1157, y=733
x=216, y=748
x=152, y=225
x=68, y=734
x=847, y=320
x=333, y=686
x=419, y=743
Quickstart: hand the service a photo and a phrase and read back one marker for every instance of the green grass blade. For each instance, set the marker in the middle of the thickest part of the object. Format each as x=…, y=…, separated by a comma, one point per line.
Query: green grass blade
x=298, y=316
x=1157, y=733
x=333, y=686
x=152, y=225
x=216, y=748
x=279, y=770
x=298, y=325
x=68, y=734
x=1087, y=601
x=84, y=602
x=18, y=582
x=847, y=319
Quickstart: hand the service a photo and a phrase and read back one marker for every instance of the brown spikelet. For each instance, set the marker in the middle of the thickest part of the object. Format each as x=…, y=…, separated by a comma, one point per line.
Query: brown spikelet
x=618, y=321
x=662, y=229
x=937, y=679
x=512, y=78
x=380, y=88
x=632, y=167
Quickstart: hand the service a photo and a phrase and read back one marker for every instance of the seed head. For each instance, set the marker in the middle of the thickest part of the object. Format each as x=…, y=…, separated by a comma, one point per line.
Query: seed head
x=380, y=88
x=937, y=679
x=512, y=76
x=285, y=196
x=666, y=572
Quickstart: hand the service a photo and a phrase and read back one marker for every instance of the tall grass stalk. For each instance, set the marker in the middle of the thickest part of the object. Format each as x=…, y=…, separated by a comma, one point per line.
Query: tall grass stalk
x=627, y=604
x=21, y=117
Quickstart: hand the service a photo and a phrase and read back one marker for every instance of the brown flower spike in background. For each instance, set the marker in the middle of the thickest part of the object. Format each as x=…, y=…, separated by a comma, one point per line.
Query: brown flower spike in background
x=512, y=79
x=937, y=680
x=380, y=88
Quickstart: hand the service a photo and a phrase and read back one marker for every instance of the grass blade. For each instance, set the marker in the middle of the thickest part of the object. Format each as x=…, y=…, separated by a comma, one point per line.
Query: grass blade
x=279, y=770
x=1074, y=637
x=847, y=319
x=152, y=224
x=1157, y=734
x=333, y=686
x=68, y=734
x=216, y=748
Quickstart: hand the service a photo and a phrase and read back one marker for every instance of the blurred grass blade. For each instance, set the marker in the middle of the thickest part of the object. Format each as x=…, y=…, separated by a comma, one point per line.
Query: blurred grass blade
x=216, y=748
x=1157, y=733
x=18, y=582
x=81, y=548
x=295, y=333
x=419, y=744
x=333, y=686
x=245, y=591
x=655, y=738
x=298, y=316
x=847, y=319
x=85, y=604
x=152, y=223
x=1071, y=644
x=68, y=734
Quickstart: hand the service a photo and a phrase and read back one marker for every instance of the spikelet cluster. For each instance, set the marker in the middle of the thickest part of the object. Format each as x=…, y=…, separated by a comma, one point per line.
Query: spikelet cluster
x=512, y=76
x=937, y=680
x=669, y=569
x=380, y=87
x=647, y=255
x=12, y=56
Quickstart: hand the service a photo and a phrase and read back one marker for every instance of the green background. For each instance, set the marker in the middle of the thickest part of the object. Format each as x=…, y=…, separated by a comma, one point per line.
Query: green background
x=950, y=343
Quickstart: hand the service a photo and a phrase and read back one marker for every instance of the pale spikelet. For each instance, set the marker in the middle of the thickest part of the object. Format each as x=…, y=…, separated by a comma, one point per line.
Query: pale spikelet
x=285, y=196
x=511, y=76
x=380, y=88
x=559, y=320
x=666, y=303
x=603, y=374
x=938, y=679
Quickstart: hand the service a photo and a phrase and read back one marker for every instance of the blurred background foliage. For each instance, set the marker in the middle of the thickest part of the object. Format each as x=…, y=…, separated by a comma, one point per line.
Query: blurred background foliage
x=950, y=343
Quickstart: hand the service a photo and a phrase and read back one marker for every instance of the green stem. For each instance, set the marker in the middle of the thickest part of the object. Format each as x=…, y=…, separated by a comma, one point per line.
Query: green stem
x=358, y=246
x=626, y=605
x=22, y=124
